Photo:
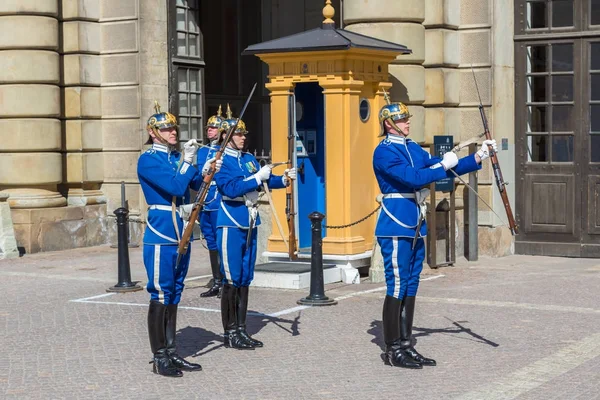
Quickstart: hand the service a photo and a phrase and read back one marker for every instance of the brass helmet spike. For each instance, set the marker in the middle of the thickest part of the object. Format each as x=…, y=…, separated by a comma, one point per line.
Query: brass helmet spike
x=156, y=107
x=219, y=112
x=229, y=114
x=386, y=97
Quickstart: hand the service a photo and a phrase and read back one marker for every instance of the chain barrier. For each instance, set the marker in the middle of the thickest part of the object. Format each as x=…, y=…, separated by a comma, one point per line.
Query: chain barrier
x=353, y=223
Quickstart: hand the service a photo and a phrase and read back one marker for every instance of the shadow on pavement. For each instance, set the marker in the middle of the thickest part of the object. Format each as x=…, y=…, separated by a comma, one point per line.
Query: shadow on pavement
x=376, y=331
x=256, y=321
x=195, y=341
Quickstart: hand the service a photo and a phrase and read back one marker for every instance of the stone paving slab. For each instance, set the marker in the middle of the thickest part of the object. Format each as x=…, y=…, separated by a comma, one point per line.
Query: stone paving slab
x=515, y=327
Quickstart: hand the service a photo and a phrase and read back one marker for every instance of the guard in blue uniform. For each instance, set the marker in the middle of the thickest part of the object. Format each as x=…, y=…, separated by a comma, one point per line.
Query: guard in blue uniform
x=208, y=215
x=239, y=183
x=165, y=176
x=403, y=171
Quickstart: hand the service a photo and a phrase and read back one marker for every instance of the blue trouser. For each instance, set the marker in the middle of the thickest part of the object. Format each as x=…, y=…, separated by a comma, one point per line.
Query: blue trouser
x=402, y=264
x=237, y=261
x=165, y=282
x=208, y=227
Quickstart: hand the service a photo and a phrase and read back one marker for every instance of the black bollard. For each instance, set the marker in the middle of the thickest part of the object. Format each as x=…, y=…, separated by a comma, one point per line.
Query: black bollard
x=124, y=284
x=317, y=287
x=125, y=204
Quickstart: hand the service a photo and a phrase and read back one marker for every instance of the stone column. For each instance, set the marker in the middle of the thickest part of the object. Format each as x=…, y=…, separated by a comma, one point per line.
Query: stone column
x=398, y=21
x=82, y=78
x=30, y=159
x=154, y=84
x=122, y=135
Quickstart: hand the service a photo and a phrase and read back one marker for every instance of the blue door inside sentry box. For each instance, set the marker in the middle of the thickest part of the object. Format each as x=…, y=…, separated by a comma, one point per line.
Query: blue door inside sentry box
x=310, y=157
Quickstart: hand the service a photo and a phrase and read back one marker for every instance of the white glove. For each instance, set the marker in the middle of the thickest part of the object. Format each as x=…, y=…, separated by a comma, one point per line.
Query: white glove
x=484, y=152
x=450, y=160
x=207, y=165
x=290, y=173
x=263, y=174
x=190, y=148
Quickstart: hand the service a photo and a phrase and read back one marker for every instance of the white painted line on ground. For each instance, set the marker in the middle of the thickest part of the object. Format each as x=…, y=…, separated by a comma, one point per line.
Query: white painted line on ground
x=202, y=309
x=197, y=277
x=432, y=278
x=346, y=296
x=508, y=304
x=85, y=299
x=56, y=276
x=540, y=372
x=275, y=314
x=288, y=311
x=119, y=303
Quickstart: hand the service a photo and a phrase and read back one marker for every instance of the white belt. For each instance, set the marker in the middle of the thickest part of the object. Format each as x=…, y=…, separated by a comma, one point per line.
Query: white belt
x=421, y=195
x=161, y=207
x=399, y=196
x=233, y=199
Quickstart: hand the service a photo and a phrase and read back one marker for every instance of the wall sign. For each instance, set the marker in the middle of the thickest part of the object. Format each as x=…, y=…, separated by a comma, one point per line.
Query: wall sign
x=441, y=145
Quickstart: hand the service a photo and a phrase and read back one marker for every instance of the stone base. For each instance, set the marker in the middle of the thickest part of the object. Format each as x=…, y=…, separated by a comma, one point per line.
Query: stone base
x=348, y=265
x=376, y=272
x=61, y=228
x=496, y=242
x=8, y=244
x=291, y=275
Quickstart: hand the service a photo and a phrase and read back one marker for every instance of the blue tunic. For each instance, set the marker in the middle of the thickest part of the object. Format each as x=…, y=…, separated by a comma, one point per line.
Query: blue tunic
x=239, y=190
x=236, y=183
x=161, y=179
x=208, y=215
x=403, y=169
x=164, y=179
x=213, y=198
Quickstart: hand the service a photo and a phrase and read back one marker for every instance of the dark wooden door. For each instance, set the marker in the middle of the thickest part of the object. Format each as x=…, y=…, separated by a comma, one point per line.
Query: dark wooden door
x=550, y=147
x=558, y=155
x=590, y=163
x=557, y=106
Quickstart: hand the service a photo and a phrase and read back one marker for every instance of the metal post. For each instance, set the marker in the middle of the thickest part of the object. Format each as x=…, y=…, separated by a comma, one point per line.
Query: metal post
x=452, y=217
x=125, y=204
x=124, y=284
x=432, y=234
x=317, y=288
x=472, y=232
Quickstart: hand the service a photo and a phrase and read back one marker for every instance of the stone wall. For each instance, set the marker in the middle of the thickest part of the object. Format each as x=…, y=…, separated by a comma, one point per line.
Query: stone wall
x=70, y=84
x=30, y=106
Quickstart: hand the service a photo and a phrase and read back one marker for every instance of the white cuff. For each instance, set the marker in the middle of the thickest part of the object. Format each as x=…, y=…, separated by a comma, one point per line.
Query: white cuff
x=258, y=181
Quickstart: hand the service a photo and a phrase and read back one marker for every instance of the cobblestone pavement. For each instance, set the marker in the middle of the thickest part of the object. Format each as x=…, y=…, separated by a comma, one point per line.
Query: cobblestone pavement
x=514, y=327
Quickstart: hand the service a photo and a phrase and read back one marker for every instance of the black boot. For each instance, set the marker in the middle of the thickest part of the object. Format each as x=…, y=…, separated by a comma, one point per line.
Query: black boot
x=162, y=364
x=394, y=354
x=215, y=266
x=406, y=324
x=228, y=313
x=170, y=329
x=242, y=310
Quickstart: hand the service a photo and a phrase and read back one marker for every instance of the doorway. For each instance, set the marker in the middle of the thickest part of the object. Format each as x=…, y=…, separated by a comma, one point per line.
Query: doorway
x=310, y=157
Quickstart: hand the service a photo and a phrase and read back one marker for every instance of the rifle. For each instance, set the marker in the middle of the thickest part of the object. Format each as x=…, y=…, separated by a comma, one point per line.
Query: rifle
x=512, y=224
x=201, y=195
x=290, y=211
